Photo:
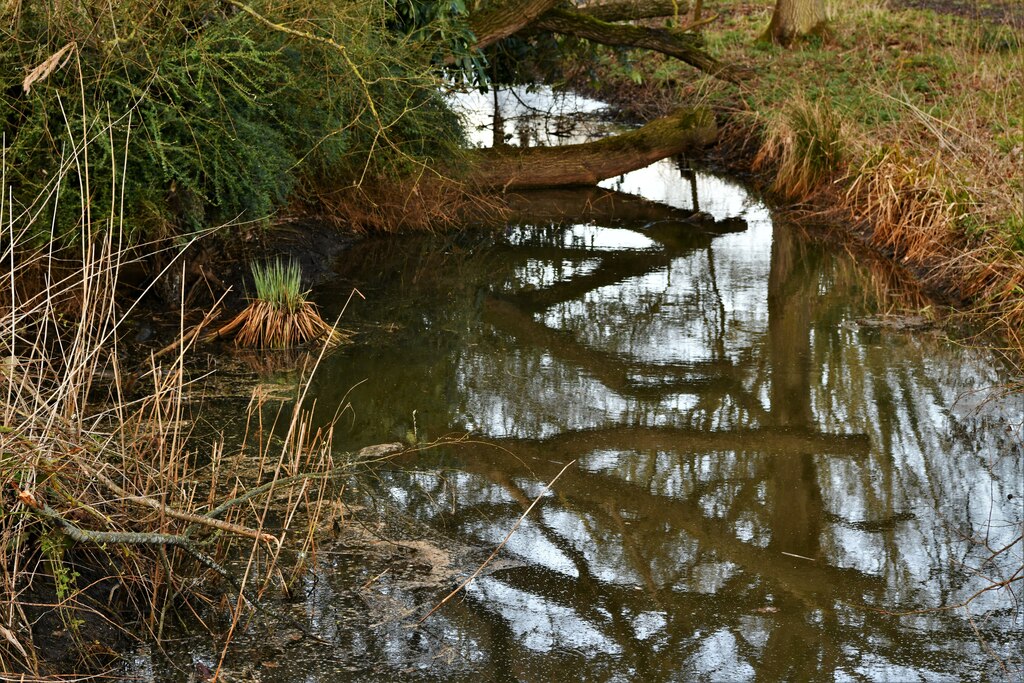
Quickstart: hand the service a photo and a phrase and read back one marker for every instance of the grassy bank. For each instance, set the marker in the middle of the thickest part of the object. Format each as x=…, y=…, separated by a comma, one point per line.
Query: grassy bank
x=904, y=123
x=126, y=130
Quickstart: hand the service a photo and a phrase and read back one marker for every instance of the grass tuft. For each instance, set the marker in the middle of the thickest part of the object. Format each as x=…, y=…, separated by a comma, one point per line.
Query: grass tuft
x=280, y=317
x=915, y=208
x=279, y=285
x=805, y=144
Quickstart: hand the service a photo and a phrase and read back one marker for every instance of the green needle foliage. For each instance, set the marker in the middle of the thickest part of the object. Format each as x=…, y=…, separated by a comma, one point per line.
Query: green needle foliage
x=202, y=111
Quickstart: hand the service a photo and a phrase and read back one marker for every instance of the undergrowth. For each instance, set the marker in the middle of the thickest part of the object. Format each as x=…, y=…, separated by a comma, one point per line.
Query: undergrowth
x=116, y=521
x=227, y=110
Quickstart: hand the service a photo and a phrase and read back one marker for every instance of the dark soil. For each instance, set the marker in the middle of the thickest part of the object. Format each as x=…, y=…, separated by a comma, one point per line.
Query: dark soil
x=1007, y=12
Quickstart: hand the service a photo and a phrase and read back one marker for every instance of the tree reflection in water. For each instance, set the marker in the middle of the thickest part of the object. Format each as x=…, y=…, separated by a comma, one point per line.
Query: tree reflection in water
x=758, y=474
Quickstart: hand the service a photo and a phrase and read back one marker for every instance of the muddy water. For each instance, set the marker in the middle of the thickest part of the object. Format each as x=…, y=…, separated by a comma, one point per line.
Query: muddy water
x=773, y=452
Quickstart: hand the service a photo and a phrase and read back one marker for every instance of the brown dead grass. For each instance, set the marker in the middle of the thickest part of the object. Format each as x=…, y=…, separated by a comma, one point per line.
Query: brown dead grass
x=426, y=203
x=912, y=207
x=263, y=325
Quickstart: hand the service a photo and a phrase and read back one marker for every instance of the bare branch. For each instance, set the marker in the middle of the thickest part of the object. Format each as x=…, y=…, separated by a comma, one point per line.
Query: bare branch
x=686, y=47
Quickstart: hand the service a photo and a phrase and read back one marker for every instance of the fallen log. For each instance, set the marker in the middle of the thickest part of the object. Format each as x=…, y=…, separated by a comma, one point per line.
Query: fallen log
x=687, y=47
x=631, y=10
x=660, y=222
x=590, y=204
x=501, y=19
x=514, y=168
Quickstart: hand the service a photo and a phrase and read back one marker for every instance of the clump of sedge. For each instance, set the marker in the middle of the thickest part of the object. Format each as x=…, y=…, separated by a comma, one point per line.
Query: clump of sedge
x=280, y=316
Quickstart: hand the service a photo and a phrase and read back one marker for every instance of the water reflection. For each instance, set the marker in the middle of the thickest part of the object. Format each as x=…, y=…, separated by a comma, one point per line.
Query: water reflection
x=759, y=470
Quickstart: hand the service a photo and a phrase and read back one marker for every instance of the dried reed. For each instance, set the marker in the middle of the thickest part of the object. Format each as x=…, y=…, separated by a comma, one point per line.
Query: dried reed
x=111, y=513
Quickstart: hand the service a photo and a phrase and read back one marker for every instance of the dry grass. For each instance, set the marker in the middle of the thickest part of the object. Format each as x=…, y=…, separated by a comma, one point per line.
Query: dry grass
x=913, y=207
x=114, y=499
x=805, y=146
x=115, y=520
x=263, y=325
x=427, y=202
x=932, y=139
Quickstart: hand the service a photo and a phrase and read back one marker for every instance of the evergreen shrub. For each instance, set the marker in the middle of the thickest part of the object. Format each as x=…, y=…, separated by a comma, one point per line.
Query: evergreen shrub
x=203, y=111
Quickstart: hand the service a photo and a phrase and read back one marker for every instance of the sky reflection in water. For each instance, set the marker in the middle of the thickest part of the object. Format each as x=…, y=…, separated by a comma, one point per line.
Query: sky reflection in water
x=762, y=462
x=730, y=417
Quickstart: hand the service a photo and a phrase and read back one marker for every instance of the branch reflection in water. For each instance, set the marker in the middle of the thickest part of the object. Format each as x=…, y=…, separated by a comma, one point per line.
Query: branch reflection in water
x=770, y=454
x=762, y=467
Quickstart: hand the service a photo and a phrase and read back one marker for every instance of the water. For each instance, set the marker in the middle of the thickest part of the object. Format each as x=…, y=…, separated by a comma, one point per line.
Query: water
x=770, y=460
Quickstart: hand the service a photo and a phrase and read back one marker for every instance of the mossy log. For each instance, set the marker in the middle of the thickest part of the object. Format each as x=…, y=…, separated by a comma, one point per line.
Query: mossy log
x=595, y=23
x=629, y=10
x=514, y=168
x=501, y=19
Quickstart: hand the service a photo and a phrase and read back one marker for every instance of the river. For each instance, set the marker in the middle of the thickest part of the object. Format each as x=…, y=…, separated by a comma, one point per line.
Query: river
x=775, y=456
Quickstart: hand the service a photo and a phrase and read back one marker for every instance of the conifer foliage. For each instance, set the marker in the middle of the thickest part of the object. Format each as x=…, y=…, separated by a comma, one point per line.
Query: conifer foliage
x=202, y=111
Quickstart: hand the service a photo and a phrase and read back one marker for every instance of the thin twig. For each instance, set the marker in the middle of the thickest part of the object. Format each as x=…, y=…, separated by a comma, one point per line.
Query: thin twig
x=80, y=535
x=996, y=585
x=163, y=509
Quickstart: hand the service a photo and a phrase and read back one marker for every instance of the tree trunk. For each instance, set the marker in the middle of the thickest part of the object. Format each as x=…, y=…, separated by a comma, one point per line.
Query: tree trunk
x=512, y=168
x=683, y=46
x=628, y=10
x=795, y=19
x=500, y=20
x=507, y=18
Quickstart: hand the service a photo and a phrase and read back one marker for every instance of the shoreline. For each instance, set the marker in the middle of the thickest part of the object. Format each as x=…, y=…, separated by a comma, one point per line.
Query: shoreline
x=924, y=181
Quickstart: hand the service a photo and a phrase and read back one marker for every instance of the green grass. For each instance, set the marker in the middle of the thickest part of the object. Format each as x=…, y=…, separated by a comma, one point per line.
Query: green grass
x=280, y=285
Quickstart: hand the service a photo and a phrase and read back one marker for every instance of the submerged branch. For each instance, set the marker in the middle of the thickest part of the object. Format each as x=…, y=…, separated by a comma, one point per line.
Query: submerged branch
x=368, y=454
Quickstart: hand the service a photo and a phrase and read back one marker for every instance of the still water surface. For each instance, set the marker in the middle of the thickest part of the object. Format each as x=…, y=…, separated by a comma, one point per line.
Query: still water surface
x=769, y=457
